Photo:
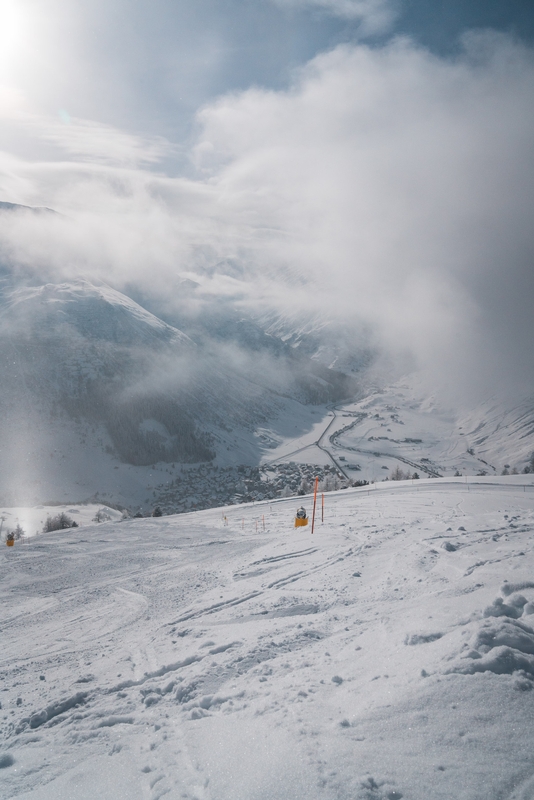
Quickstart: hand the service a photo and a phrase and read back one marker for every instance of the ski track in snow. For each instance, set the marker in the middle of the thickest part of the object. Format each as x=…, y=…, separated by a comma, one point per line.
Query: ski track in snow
x=390, y=655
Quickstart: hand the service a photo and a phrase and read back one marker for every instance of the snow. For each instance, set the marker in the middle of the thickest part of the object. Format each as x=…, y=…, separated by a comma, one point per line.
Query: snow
x=226, y=655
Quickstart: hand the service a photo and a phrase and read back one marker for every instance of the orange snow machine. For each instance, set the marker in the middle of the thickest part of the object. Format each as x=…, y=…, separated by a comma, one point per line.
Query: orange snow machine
x=301, y=517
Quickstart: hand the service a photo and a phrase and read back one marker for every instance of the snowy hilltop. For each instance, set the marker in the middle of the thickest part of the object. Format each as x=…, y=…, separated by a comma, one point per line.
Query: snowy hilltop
x=226, y=655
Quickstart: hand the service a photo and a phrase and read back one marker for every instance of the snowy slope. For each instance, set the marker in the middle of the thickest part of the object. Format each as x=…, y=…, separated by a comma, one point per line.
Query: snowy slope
x=32, y=520
x=329, y=341
x=99, y=312
x=389, y=655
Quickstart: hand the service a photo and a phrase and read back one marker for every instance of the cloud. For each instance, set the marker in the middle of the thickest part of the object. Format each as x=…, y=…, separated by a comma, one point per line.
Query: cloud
x=97, y=143
x=375, y=16
x=79, y=139
x=386, y=187
x=399, y=185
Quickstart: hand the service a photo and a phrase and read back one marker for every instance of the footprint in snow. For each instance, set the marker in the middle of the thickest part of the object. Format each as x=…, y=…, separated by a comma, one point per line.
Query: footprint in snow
x=371, y=789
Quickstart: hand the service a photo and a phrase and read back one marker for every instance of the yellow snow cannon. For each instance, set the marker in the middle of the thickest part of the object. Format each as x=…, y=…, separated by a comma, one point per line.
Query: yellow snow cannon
x=10, y=540
x=301, y=518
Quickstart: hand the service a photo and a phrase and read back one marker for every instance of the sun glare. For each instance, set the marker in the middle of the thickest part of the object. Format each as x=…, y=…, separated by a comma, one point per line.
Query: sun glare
x=24, y=31
x=14, y=32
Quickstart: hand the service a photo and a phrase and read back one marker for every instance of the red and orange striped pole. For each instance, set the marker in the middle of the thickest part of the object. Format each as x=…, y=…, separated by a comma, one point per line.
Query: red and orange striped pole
x=314, y=502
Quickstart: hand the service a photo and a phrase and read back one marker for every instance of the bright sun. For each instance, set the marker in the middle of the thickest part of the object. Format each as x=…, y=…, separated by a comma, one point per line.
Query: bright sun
x=13, y=28
x=20, y=23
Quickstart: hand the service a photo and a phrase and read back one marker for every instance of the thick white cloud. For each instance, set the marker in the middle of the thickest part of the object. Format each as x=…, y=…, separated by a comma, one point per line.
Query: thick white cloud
x=401, y=184
x=386, y=186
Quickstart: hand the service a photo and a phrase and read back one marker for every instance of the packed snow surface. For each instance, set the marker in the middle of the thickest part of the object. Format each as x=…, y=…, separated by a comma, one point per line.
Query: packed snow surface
x=226, y=655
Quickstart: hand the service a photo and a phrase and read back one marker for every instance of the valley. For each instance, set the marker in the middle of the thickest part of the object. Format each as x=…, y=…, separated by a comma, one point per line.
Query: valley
x=104, y=402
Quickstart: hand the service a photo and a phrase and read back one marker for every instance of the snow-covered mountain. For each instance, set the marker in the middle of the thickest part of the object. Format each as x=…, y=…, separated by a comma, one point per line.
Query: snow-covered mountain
x=94, y=385
x=74, y=356
x=101, y=397
x=329, y=341
x=129, y=397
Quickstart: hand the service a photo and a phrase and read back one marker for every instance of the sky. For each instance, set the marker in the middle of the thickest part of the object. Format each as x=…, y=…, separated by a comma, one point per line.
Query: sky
x=364, y=159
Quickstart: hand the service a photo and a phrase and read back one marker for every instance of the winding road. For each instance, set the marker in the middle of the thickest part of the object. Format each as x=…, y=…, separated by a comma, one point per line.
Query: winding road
x=332, y=441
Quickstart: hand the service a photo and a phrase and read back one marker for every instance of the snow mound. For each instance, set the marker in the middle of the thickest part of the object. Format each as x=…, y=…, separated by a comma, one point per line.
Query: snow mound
x=502, y=644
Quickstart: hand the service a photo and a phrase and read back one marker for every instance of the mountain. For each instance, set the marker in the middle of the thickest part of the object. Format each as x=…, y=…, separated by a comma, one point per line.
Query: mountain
x=85, y=350
x=193, y=403
x=95, y=384
x=328, y=341
x=5, y=206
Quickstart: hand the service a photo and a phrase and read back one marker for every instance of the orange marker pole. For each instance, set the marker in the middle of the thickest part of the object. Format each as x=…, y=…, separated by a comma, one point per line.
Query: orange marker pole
x=314, y=502
x=322, y=507
x=263, y=520
x=243, y=524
